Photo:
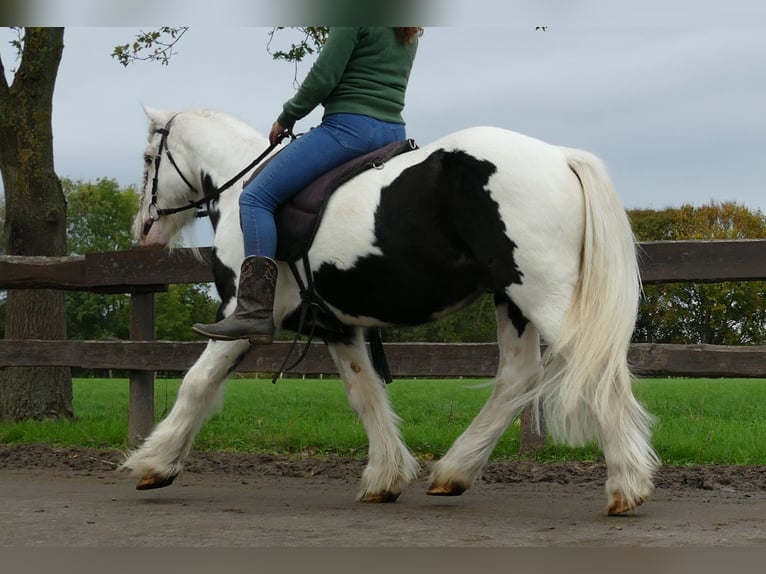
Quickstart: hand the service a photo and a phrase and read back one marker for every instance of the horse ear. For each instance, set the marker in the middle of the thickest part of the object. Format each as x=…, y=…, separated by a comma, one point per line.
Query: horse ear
x=157, y=118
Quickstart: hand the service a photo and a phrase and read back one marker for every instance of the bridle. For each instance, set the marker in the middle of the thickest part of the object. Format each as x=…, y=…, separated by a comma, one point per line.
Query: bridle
x=155, y=212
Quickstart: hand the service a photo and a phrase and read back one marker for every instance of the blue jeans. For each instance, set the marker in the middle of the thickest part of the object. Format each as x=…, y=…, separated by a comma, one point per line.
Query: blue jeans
x=338, y=139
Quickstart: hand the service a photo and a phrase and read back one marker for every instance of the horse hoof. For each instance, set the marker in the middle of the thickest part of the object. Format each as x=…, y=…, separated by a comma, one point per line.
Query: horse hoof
x=449, y=489
x=151, y=481
x=386, y=496
x=620, y=506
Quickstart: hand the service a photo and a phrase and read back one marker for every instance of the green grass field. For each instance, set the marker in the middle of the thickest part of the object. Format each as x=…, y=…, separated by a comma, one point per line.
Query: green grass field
x=699, y=421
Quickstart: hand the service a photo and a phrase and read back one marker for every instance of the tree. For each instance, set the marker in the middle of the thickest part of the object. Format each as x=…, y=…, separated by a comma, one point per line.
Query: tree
x=100, y=215
x=159, y=45
x=99, y=219
x=35, y=217
x=730, y=313
x=153, y=46
x=35, y=222
x=2, y=225
x=2, y=252
x=473, y=324
x=179, y=308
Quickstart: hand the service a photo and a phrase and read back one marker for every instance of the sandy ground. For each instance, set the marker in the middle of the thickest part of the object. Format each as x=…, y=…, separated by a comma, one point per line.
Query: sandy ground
x=75, y=498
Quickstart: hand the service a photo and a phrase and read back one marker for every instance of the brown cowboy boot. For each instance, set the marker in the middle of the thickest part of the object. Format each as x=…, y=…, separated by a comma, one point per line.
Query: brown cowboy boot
x=253, y=317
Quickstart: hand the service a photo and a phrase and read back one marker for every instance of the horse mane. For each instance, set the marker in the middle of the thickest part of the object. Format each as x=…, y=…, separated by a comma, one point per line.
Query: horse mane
x=242, y=128
x=238, y=127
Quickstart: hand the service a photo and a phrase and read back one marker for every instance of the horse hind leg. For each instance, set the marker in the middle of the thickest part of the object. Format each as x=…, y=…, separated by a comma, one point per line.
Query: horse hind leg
x=518, y=372
x=159, y=459
x=623, y=429
x=585, y=400
x=391, y=467
x=625, y=437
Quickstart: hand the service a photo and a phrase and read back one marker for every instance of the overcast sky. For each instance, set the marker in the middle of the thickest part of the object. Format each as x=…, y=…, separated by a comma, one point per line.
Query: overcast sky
x=674, y=108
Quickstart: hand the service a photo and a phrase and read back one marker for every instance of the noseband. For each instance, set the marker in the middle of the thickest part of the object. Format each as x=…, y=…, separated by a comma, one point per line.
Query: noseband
x=155, y=212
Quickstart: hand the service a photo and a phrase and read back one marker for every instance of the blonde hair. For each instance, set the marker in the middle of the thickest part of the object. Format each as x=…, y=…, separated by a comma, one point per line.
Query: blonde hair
x=405, y=35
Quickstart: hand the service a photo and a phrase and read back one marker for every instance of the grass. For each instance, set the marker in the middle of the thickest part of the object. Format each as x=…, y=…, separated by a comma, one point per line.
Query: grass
x=699, y=421
x=708, y=420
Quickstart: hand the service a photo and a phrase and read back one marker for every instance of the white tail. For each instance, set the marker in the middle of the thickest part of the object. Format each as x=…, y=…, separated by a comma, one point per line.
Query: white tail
x=586, y=391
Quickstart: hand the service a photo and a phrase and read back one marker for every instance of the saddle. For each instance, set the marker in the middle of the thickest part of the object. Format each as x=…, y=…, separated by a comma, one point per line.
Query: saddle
x=297, y=222
x=298, y=219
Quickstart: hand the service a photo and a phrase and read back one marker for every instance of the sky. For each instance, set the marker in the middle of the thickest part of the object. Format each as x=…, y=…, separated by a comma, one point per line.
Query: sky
x=673, y=102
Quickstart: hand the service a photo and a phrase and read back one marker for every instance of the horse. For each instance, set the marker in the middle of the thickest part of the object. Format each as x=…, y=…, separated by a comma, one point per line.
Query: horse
x=482, y=210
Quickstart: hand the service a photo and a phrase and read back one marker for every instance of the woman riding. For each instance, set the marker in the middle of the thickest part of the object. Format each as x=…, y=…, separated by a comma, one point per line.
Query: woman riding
x=360, y=77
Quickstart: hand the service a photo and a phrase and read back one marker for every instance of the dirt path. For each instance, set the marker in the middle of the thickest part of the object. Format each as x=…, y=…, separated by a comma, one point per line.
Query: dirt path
x=74, y=498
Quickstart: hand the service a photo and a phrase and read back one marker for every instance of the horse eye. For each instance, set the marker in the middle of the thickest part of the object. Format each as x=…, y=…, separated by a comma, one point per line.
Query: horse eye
x=148, y=159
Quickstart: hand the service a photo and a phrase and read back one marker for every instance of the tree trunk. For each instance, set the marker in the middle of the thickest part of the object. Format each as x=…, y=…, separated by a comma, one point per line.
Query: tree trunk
x=35, y=223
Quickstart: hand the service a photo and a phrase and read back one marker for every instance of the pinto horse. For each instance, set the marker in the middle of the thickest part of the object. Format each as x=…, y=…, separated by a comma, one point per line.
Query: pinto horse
x=481, y=210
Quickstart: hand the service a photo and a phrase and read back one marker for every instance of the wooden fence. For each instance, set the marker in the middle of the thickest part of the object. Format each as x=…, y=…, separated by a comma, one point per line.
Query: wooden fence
x=143, y=272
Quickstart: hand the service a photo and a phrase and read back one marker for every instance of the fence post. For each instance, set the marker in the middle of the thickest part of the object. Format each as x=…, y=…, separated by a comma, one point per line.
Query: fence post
x=530, y=440
x=141, y=393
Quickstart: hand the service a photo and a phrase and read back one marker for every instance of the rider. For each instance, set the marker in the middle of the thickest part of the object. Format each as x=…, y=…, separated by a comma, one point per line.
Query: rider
x=360, y=77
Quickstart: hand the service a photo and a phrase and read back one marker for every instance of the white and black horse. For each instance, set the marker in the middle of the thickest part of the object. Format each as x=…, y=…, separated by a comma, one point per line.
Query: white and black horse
x=484, y=209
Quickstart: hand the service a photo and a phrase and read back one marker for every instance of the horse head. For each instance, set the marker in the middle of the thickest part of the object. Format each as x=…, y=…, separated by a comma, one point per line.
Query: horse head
x=188, y=156
x=170, y=182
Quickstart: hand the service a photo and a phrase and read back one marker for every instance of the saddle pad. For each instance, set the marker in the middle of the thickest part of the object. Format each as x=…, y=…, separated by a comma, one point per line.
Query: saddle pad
x=298, y=219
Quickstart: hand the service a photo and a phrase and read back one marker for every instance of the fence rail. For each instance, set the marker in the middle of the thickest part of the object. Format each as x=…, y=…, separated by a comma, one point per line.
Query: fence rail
x=142, y=272
x=146, y=269
x=406, y=359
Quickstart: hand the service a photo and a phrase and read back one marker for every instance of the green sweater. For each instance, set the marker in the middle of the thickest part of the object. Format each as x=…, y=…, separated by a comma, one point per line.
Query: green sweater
x=359, y=71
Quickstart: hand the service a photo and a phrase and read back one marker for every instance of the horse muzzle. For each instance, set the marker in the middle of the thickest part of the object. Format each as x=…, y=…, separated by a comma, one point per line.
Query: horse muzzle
x=147, y=227
x=152, y=234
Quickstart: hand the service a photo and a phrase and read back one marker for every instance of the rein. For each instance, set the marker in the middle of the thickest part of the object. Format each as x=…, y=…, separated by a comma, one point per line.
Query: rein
x=165, y=132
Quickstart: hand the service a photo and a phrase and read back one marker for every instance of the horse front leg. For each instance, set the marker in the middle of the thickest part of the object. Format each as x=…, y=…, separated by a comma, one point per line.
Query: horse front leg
x=159, y=459
x=390, y=467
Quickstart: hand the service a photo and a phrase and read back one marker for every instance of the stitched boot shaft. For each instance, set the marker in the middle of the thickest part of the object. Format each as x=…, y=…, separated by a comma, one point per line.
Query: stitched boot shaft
x=253, y=317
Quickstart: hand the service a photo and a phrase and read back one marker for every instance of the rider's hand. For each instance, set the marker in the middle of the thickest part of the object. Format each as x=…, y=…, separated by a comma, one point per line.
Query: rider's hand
x=278, y=131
